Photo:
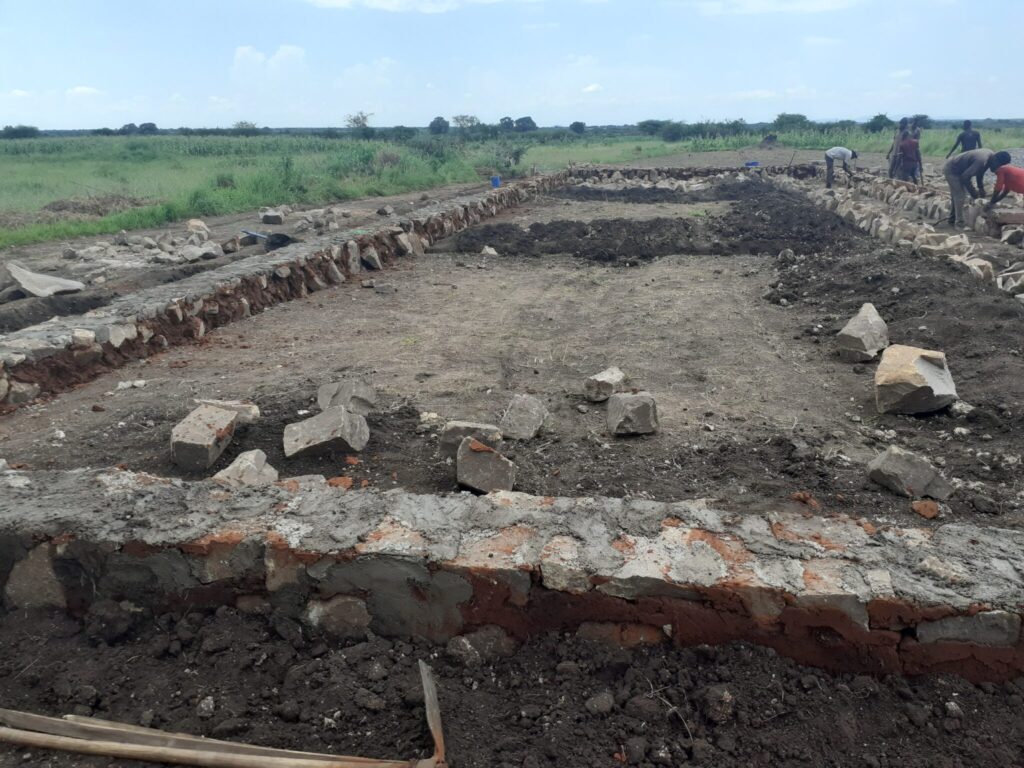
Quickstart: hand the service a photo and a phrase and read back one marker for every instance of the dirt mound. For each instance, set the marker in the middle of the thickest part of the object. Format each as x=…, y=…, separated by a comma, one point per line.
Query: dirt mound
x=94, y=207
x=637, y=195
x=558, y=700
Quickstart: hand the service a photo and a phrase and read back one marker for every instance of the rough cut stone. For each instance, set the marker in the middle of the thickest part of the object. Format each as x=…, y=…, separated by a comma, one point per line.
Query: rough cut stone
x=482, y=468
x=198, y=440
x=907, y=474
x=454, y=432
x=524, y=418
x=42, y=285
x=371, y=258
x=353, y=394
x=342, y=617
x=912, y=380
x=601, y=386
x=336, y=429
x=482, y=646
x=985, y=628
x=32, y=582
x=20, y=392
x=632, y=414
x=248, y=469
x=864, y=336
x=248, y=413
x=272, y=216
x=352, y=260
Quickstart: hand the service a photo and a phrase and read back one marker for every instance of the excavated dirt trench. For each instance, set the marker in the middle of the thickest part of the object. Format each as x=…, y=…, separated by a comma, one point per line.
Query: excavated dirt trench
x=559, y=699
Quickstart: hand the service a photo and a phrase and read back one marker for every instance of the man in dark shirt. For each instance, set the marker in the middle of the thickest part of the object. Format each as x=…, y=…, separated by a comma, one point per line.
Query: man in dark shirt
x=961, y=172
x=910, y=158
x=968, y=140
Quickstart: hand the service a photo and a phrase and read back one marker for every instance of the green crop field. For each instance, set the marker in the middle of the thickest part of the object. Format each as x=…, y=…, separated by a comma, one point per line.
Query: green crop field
x=176, y=177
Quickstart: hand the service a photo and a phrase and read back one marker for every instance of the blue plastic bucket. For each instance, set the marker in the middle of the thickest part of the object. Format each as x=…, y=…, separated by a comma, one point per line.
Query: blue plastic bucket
x=495, y=181
x=752, y=164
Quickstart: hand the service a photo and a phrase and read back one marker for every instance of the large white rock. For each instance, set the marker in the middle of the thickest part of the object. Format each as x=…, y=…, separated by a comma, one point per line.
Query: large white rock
x=249, y=469
x=354, y=394
x=247, y=413
x=42, y=285
x=912, y=380
x=525, y=416
x=864, y=336
x=336, y=429
x=601, y=386
x=198, y=440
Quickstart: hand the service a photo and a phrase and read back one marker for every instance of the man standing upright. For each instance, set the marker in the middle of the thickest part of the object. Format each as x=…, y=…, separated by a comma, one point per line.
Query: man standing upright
x=842, y=154
x=969, y=139
x=910, y=158
x=961, y=172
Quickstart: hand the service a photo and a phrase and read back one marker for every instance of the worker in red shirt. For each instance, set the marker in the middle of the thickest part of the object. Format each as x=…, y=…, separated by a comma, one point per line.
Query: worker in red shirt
x=1009, y=178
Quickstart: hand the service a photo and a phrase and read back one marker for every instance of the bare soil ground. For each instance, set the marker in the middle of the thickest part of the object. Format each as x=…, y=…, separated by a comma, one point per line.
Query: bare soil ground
x=755, y=407
x=272, y=683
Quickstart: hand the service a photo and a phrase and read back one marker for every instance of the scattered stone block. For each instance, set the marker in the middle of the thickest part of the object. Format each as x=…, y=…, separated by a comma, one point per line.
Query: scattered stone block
x=272, y=216
x=336, y=429
x=482, y=646
x=385, y=210
x=371, y=258
x=911, y=380
x=998, y=628
x=488, y=251
x=247, y=413
x=482, y=468
x=342, y=617
x=41, y=285
x=863, y=337
x=355, y=395
x=454, y=432
x=20, y=392
x=524, y=418
x=632, y=414
x=352, y=260
x=907, y=474
x=601, y=386
x=249, y=469
x=200, y=438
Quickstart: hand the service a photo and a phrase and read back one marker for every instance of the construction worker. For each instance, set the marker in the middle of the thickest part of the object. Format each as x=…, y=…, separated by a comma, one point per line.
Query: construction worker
x=911, y=164
x=1009, y=179
x=961, y=171
x=842, y=154
x=967, y=140
x=893, y=155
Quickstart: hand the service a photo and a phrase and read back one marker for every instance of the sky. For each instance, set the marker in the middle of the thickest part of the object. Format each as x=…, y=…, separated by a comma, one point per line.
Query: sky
x=206, y=63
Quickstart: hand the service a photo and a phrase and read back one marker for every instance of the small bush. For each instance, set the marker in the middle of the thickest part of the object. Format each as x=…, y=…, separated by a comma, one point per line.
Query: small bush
x=225, y=181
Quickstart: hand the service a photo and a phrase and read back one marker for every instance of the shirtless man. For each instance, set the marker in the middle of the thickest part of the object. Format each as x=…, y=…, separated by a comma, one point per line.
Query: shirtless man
x=967, y=140
x=961, y=172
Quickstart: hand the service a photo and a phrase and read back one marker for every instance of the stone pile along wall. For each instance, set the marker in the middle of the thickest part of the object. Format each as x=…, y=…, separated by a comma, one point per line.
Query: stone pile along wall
x=879, y=206
x=599, y=174
x=830, y=591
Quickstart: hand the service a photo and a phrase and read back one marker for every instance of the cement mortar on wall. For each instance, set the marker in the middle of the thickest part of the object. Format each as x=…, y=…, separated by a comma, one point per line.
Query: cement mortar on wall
x=835, y=592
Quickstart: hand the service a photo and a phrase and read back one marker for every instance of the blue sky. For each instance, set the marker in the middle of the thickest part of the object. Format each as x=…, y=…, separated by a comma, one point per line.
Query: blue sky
x=79, y=64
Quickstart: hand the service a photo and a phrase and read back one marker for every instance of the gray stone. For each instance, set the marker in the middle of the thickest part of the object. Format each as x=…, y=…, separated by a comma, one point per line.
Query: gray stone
x=601, y=386
x=198, y=440
x=336, y=429
x=911, y=380
x=454, y=432
x=334, y=274
x=353, y=394
x=248, y=413
x=863, y=337
x=600, y=704
x=342, y=617
x=371, y=258
x=482, y=646
x=249, y=469
x=906, y=474
x=19, y=392
x=41, y=285
x=352, y=260
x=632, y=414
x=32, y=582
x=272, y=216
x=191, y=253
x=524, y=418
x=385, y=210
x=482, y=468
x=1000, y=628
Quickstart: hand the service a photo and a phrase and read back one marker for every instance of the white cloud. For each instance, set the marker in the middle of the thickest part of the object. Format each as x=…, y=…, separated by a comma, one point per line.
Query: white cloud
x=404, y=6
x=592, y=88
x=250, y=64
x=901, y=74
x=17, y=93
x=83, y=90
x=721, y=7
x=541, y=26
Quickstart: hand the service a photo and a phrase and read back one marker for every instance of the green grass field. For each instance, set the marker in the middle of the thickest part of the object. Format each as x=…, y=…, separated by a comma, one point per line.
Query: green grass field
x=186, y=176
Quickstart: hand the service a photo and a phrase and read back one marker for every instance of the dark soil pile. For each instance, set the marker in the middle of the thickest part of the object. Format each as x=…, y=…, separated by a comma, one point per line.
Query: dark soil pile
x=557, y=701
x=647, y=195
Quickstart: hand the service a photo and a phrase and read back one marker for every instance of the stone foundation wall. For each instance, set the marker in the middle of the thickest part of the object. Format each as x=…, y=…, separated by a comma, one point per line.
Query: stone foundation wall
x=834, y=592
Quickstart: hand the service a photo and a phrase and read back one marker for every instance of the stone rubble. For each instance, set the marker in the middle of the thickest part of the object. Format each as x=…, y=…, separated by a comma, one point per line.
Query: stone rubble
x=247, y=413
x=524, y=418
x=335, y=429
x=601, y=386
x=36, y=284
x=632, y=414
x=907, y=474
x=248, y=470
x=910, y=380
x=271, y=216
x=355, y=395
x=198, y=440
x=863, y=337
x=454, y=432
x=481, y=468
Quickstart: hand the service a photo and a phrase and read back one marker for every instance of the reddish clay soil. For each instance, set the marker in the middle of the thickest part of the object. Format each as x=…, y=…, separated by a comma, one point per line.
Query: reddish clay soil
x=558, y=700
